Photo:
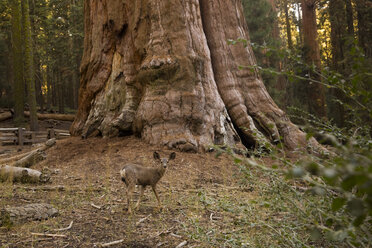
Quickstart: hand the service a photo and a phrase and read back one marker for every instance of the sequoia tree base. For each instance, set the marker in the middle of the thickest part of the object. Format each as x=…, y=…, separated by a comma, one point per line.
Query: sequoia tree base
x=164, y=71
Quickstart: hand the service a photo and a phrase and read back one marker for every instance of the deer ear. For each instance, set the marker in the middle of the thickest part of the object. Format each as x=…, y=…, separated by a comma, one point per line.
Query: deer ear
x=172, y=156
x=156, y=155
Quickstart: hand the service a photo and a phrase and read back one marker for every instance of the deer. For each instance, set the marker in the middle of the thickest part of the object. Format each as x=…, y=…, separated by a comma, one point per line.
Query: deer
x=135, y=174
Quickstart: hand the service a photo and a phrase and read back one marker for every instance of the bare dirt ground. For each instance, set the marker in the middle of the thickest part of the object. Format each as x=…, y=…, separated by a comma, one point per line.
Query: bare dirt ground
x=208, y=201
x=89, y=172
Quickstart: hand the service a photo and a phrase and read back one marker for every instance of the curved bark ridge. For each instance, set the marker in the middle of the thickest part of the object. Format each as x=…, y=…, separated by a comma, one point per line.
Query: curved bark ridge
x=247, y=101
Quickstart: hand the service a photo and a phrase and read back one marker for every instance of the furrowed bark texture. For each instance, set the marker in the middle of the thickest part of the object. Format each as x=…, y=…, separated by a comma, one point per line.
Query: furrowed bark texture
x=164, y=70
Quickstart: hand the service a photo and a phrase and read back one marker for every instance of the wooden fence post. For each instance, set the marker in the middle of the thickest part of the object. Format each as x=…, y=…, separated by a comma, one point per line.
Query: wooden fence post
x=20, y=136
x=51, y=133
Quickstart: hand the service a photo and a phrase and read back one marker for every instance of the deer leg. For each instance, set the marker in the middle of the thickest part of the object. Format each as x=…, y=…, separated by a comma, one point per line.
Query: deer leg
x=140, y=196
x=130, y=189
x=156, y=194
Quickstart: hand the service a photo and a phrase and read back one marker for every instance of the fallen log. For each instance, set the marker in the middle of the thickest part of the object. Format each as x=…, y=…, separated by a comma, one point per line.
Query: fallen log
x=32, y=158
x=48, y=144
x=23, y=175
x=60, y=117
x=5, y=116
x=14, y=158
x=29, y=158
x=30, y=212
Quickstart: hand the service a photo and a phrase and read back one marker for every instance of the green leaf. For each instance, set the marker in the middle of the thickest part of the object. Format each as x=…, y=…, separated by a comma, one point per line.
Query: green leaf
x=353, y=180
x=356, y=207
x=297, y=172
x=359, y=220
x=315, y=234
x=317, y=190
x=237, y=160
x=338, y=203
x=313, y=168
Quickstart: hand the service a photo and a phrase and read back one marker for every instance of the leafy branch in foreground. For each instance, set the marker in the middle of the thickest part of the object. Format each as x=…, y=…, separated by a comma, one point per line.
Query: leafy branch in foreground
x=344, y=182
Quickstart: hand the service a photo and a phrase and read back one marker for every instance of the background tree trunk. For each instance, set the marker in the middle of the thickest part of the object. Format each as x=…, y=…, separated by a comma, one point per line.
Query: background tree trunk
x=339, y=34
x=17, y=61
x=288, y=25
x=315, y=91
x=364, y=12
x=164, y=70
x=29, y=65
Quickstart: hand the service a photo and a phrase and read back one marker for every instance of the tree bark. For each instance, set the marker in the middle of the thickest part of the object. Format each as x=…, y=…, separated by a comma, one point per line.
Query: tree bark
x=299, y=23
x=275, y=27
x=17, y=61
x=364, y=13
x=349, y=18
x=29, y=65
x=315, y=91
x=339, y=34
x=288, y=25
x=164, y=70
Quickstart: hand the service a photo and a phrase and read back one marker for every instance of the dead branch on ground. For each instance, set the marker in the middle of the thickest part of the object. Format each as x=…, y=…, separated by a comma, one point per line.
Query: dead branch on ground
x=49, y=235
x=64, y=229
x=112, y=243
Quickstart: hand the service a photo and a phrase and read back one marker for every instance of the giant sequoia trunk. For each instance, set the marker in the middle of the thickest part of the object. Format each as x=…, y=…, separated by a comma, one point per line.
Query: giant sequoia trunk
x=164, y=70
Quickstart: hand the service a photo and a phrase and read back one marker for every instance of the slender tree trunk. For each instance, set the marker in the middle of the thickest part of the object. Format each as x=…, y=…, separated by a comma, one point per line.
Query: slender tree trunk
x=364, y=11
x=29, y=67
x=17, y=62
x=75, y=80
x=9, y=93
x=54, y=87
x=49, y=96
x=338, y=39
x=60, y=88
x=350, y=18
x=164, y=70
x=315, y=91
x=39, y=85
x=288, y=25
x=338, y=33
x=300, y=33
x=275, y=30
x=281, y=81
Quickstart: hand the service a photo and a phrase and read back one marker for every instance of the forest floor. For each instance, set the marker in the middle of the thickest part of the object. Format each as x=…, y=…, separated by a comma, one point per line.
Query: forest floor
x=208, y=201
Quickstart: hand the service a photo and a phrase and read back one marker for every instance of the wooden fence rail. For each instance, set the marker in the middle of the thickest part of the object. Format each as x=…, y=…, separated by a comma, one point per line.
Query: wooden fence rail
x=21, y=136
